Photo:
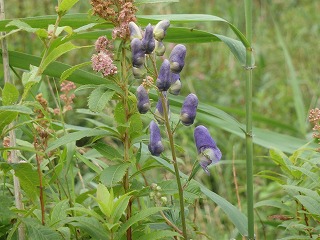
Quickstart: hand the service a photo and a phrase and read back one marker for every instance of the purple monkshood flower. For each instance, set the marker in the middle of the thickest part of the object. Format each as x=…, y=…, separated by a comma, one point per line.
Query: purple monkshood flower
x=163, y=81
x=138, y=53
x=159, y=48
x=155, y=145
x=135, y=31
x=189, y=109
x=159, y=31
x=175, y=84
x=158, y=114
x=176, y=58
x=207, y=148
x=148, y=41
x=143, y=100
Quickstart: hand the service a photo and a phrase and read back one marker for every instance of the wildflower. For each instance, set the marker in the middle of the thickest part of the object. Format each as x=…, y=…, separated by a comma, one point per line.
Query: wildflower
x=135, y=31
x=163, y=81
x=143, y=100
x=207, y=148
x=103, y=44
x=159, y=31
x=148, y=41
x=139, y=72
x=102, y=62
x=159, y=48
x=176, y=58
x=155, y=146
x=175, y=84
x=138, y=53
x=189, y=109
x=159, y=114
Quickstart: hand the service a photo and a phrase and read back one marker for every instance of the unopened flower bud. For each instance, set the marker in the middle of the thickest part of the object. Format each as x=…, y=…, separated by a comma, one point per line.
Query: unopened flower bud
x=159, y=48
x=189, y=109
x=152, y=194
x=155, y=146
x=158, y=188
x=143, y=100
x=135, y=31
x=177, y=57
x=160, y=29
x=164, y=200
x=138, y=53
x=148, y=41
x=153, y=186
x=207, y=148
x=163, y=81
x=175, y=84
x=139, y=72
x=158, y=194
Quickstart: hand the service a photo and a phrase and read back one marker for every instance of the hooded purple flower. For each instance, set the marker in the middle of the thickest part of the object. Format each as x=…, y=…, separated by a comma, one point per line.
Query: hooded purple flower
x=155, y=146
x=159, y=31
x=158, y=114
x=143, y=100
x=175, y=84
x=148, y=41
x=207, y=148
x=176, y=58
x=138, y=53
x=163, y=80
x=189, y=109
x=135, y=31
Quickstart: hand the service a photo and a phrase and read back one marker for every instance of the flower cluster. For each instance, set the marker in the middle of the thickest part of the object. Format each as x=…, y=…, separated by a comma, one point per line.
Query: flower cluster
x=67, y=97
x=150, y=41
x=103, y=60
x=119, y=12
x=314, y=118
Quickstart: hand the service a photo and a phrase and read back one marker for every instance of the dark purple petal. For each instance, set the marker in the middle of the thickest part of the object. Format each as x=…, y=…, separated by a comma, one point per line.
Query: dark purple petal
x=159, y=48
x=143, y=100
x=148, y=41
x=160, y=29
x=189, y=109
x=155, y=145
x=177, y=57
x=158, y=114
x=138, y=53
x=163, y=81
x=135, y=31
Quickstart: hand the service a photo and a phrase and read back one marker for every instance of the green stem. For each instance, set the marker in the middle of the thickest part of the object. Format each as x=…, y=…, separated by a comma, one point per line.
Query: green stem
x=249, y=142
x=175, y=164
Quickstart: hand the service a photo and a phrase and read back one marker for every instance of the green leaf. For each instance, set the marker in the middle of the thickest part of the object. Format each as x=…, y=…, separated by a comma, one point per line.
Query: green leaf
x=107, y=151
x=31, y=76
x=105, y=199
x=21, y=25
x=59, y=213
x=136, y=126
x=310, y=204
x=99, y=98
x=161, y=234
x=6, y=117
x=120, y=206
x=40, y=232
x=89, y=164
x=272, y=203
x=10, y=94
x=142, y=215
x=68, y=72
x=72, y=137
x=57, y=52
x=17, y=109
x=28, y=177
x=113, y=174
x=66, y=5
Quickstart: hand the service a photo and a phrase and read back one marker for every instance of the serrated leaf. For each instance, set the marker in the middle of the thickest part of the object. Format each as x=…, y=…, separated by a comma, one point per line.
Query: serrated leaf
x=136, y=125
x=107, y=151
x=105, y=199
x=99, y=98
x=120, y=206
x=59, y=213
x=10, y=94
x=6, y=117
x=68, y=72
x=40, y=232
x=66, y=5
x=311, y=204
x=28, y=177
x=162, y=234
x=111, y=175
x=72, y=137
x=136, y=218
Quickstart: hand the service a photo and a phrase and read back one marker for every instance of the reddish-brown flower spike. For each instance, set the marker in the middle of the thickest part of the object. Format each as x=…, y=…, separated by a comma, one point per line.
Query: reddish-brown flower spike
x=189, y=109
x=155, y=145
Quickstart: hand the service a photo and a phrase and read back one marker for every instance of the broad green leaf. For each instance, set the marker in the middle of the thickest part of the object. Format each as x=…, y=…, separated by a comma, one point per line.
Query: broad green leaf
x=68, y=72
x=66, y=5
x=105, y=199
x=107, y=151
x=10, y=94
x=6, y=117
x=99, y=98
x=57, y=52
x=310, y=204
x=306, y=191
x=136, y=126
x=272, y=203
x=72, y=137
x=111, y=175
x=17, y=109
x=142, y=215
x=120, y=206
x=28, y=177
x=90, y=225
x=59, y=213
x=160, y=234
x=40, y=232
x=21, y=25
x=31, y=76
x=5, y=213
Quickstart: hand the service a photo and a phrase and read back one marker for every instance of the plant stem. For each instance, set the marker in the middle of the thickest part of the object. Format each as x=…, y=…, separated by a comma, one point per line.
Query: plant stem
x=249, y=136
x=175, y=163
x=13, y=158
